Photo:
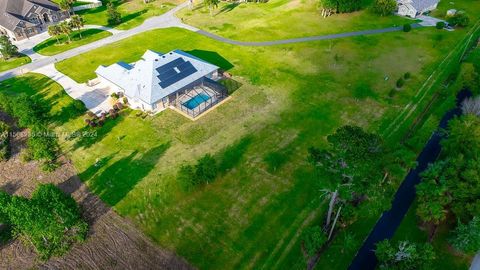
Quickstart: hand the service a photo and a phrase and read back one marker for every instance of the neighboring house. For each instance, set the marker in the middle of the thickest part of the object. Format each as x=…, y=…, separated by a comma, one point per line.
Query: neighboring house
x=414, y=8
x=159, y=81
x=20, y=19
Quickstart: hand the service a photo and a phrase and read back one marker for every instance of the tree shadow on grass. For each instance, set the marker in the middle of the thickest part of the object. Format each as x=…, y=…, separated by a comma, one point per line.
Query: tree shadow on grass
x=233, y=154
x=228, y=8
x=88, y=136
x=212, y=57
x=117, y=180
x=132, y=16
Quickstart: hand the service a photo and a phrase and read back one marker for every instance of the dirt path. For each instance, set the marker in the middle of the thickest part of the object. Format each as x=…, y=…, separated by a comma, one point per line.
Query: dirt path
x=113, y=242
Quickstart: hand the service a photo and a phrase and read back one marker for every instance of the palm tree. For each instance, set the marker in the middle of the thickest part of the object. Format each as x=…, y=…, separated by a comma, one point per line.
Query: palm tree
x=77, y=22
x=66, y=29
x=66, y=5
x=211, y=4
x=53, y=32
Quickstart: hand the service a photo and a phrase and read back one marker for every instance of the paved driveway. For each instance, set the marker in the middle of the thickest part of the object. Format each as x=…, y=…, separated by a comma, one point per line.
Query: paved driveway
x=429, y=21
x=96, y=99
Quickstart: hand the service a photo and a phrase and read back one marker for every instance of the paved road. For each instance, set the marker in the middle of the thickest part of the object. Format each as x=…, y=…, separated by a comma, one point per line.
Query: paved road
x=390, y=220
x=163, y=21
x=305, y=39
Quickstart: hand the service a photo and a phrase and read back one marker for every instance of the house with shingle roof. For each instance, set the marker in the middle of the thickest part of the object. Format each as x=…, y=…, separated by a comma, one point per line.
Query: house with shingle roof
x=414, y=8
x=158, y=81
x=20, y=19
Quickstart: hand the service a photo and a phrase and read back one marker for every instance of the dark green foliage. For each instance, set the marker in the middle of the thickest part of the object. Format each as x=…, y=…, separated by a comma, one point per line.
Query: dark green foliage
x=79, y=105
x=204, y=172
x=407, y=27
x=313, y=239
x=42, y=144
x=461, y=150
x=50, y=220
x=4, y=141
x=407, y=75
x=466, y=237
x=351, y=158
x=114, y=16
x=384, y=7
x=341, y=6
x=31, y=113
x=404, y=255
x=432, y=194
x=440, y=25
x=400, y=83
x=459, y=19
x=7, y=49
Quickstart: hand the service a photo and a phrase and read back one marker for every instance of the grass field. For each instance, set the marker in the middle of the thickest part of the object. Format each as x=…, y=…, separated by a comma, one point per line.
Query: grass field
x=280, y=19
x=51, y=46
x=252, y=216
x=133, y=12
x=14, y=62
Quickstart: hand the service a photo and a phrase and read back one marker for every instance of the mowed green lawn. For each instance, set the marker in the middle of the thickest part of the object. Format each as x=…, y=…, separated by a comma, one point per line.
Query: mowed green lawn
x=53, y=46
x=292, y=97
x=14, y=62
x=133, y=12
x=280, y=19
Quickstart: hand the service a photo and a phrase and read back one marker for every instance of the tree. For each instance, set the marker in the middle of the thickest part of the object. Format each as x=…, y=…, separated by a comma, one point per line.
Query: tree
x=113, y=15
x=351, y=153
x=211, y=4
x=77, y=22
x=404, y=255
x=433, y=197
x=466, y=237
x=340, y=6
x=384, y=7
x=66, y=5
x=7, y=49
x=459, y=19
x=50, y=220
x=66, y=29
x=462, y=147
x=54, y=31
x=313, y=239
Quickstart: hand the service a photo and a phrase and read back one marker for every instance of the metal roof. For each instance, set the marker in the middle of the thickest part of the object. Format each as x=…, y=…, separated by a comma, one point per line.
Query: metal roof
x=156, y=75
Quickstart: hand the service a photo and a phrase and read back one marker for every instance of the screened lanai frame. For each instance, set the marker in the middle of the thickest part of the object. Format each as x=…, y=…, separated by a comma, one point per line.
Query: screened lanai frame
x=215, y=91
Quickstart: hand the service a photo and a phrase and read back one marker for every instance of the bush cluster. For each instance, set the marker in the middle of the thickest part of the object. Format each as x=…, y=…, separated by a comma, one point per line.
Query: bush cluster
x=4, y=141
x=50, y=220
x=30, y=113
x=93, y=120
x=204, y=172
x=459, y=19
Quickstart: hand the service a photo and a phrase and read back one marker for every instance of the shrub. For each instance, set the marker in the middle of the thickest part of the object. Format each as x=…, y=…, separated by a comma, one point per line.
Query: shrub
x=440, y=25
x=204, y=172
x=4, y=141
x=400, y=83
x=384, y=7
x=459, y=19
x=313, y=239
x=91, y=114
x=125, y=100
x=79, y=105
x=392, y=92
x=407, y=75
x=119, y=106
x=50, y=220
x=407, y=27
x=42, y=144
x=114, y=95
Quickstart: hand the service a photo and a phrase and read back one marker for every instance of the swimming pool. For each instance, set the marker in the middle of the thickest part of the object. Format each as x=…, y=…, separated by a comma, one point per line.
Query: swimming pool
x=196, y=100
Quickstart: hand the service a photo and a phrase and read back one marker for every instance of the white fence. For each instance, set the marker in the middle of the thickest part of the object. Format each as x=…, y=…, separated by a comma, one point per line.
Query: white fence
x=94, y=4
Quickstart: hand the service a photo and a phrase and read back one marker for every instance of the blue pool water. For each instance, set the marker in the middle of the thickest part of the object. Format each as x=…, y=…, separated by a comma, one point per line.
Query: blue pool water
x=196, y=100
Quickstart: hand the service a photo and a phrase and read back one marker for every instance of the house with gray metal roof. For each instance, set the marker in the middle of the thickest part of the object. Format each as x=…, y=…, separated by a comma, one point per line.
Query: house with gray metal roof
x=172, y=80
x=20, y=19
x=414, y=8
